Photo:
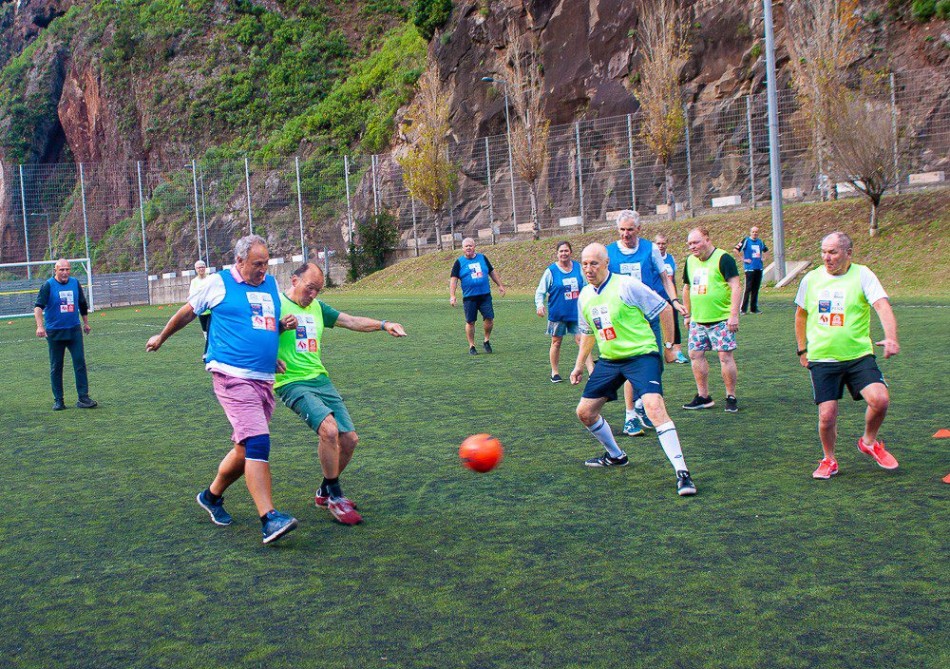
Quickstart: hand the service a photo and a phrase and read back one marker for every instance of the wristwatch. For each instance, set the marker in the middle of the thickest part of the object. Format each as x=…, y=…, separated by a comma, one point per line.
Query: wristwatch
x=667, y=345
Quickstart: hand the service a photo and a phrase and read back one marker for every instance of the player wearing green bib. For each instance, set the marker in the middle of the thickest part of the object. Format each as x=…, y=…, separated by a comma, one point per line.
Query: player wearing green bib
x=305, y=386
x=712, y=292
x=615, y=311
x=833, y=331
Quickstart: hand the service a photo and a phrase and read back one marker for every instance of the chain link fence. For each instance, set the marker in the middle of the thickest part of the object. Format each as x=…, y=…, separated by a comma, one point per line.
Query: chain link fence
x=159, y=218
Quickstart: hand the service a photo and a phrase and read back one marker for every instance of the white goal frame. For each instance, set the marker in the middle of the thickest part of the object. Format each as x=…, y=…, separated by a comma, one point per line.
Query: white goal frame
x=45, y=274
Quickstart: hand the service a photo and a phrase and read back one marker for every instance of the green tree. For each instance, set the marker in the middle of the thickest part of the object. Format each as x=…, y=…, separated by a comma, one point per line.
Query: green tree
x=378, y=236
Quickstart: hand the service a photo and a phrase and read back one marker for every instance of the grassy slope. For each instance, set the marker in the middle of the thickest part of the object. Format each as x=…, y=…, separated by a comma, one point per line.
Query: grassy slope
x=914, y=239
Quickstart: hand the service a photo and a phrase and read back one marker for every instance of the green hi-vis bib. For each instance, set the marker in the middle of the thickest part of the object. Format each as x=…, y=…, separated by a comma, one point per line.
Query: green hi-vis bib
x=839, y=316
x=300, y=348
x=622, y=331
x=710, y=296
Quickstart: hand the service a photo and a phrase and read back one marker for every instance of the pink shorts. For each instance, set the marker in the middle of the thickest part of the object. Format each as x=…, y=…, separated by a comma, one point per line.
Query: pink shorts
x=248, y=404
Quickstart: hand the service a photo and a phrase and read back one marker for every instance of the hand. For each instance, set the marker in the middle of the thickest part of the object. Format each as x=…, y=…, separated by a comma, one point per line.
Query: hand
x=281, y=366
x=154, y=343
x=87, y=328
x=747, y=261
x=803, y=359
x=40, y=331
x=395, y=329
x=452, y=300
x=681, y=308
x=288, y=322
x=576, y=375
x=891, y=347
x=501, y=290
x=541, y=312
x=669, y=356
x=733, y=324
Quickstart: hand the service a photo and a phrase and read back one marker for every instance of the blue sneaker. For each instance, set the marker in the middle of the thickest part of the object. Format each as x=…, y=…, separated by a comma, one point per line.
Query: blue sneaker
x=218, y=515
x=632, y=428
x=682, y=359
x=277, y=525
x=644, y=420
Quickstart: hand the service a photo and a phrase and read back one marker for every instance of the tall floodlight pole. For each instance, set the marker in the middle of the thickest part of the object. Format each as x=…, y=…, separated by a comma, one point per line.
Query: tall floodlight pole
x=194, y=183
x=511, y=164
x=775, y=162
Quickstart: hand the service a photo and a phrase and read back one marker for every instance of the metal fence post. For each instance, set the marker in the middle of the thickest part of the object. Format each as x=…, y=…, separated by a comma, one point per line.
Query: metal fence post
x=204, y=217
x=580, y=177
x=194, y=181
x=138, y=171
x=26, y=232
x=247, y=182
x=415, y=232
x=689, y=165
x=897, y=173
x=349, y=206
x=633, y=178
x=748, y=120
x=451, y=205
x=85, y=229
x=491, y=204
x=303, y=241
x=375, y=191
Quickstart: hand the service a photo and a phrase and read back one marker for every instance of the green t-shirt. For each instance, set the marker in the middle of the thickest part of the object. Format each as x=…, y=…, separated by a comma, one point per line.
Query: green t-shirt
x=300, y=348
x=710, y=296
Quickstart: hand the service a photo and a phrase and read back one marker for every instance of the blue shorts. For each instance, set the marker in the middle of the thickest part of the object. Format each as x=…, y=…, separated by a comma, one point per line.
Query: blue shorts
x=561, y=328
x=478, y=303
x=644, y=372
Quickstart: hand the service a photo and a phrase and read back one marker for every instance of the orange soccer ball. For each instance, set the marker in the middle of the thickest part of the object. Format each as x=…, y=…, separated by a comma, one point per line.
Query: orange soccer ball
x=481, y=452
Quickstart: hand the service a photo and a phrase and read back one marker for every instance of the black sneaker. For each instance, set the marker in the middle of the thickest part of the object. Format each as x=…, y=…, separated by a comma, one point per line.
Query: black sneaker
x=606, y=461
x=59, y=405
x=473, y=351
x=86, y=402
x=487, y=346
x=684, y=484
x=556, y=378
x=700, y=402
x=732, y=404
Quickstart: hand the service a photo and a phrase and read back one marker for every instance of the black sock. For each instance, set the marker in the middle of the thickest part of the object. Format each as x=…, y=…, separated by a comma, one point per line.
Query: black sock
x=211, y=497
x=264, y=517
x=332, y=487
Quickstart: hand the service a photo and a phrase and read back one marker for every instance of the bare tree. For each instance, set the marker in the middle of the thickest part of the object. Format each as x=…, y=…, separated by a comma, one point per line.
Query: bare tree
x=861, y=149
x=663, y=35
x=529, y=134
x=428, y=172
x=822, y=39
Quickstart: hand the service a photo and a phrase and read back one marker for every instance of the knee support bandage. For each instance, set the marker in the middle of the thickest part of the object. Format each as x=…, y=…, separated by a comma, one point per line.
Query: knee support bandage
x=257, y=447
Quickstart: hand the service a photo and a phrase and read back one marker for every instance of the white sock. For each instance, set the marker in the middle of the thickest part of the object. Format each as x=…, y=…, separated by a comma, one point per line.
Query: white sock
x=631, y=414
x=670, y=441
x=602, y=433
x=638, y=406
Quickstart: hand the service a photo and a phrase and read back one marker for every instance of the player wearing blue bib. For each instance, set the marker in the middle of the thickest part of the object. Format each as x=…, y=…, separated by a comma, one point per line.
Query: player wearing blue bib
x=634, y=256
x=560, y=286
x=753, y=252
x=242, y=359
x=473, y=271
x=57, y=310
x=669, y=262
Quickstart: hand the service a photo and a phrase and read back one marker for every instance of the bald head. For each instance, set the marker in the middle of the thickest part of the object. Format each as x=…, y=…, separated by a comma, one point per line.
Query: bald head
x=594, y=264
x=305, y=284
x=61, y=270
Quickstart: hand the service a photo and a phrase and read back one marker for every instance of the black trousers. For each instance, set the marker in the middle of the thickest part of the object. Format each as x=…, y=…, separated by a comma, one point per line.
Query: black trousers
x=750, y=298
x=59, y=341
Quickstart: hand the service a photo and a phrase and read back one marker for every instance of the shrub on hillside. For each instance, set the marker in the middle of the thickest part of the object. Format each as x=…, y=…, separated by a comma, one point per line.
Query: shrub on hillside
x=923, y=10
x=429, y=15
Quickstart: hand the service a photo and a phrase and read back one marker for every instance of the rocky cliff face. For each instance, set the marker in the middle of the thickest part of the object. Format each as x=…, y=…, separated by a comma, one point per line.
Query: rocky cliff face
x=588, y=49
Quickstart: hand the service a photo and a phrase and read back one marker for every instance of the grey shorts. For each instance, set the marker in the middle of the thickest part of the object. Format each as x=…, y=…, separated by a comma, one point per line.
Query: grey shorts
x=561, y=328
x=314, y=400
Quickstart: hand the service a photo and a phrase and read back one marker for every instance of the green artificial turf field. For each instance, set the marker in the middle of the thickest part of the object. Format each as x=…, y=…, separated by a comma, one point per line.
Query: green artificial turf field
x=107, y=561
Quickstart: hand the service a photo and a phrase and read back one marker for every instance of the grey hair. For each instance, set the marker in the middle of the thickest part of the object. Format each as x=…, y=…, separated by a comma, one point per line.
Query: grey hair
x=842, y=238
x=628, y=214
x=244, y=244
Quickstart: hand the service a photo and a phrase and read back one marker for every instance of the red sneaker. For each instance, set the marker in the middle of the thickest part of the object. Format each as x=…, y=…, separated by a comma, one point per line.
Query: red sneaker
x=344, y=511
x=881, y=457
x=323, y=502
x=826, y=469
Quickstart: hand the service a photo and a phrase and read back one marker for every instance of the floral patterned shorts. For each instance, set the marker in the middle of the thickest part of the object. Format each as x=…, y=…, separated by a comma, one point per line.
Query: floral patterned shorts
x=715, y=337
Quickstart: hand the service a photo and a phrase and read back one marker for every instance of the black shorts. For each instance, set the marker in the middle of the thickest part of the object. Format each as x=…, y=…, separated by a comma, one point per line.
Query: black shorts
x=478, y=303
x=828, y=379
x=644, y=372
